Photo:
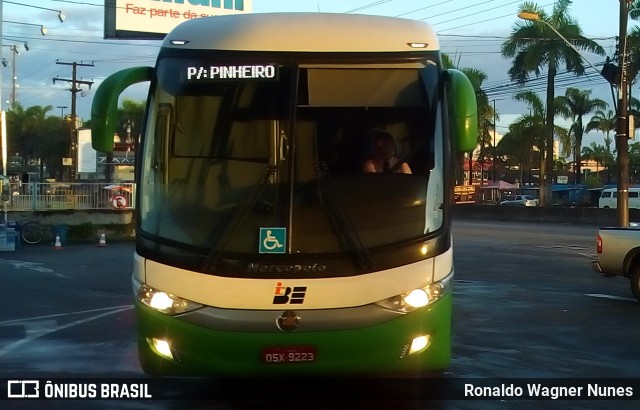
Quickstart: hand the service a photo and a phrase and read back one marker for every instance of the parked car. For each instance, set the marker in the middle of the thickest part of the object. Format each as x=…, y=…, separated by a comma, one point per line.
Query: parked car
x=609, y=198
x=520, y=200
x=618, y=254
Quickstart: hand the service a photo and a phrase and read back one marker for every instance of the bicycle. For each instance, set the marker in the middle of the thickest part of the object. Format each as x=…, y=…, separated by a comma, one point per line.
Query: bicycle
x=31, y=231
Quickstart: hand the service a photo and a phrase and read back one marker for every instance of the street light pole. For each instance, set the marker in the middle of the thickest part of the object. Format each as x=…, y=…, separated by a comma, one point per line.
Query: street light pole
x=622, y=124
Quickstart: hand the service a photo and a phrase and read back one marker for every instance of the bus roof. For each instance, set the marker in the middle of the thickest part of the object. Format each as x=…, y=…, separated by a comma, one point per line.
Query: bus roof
x=303, y=32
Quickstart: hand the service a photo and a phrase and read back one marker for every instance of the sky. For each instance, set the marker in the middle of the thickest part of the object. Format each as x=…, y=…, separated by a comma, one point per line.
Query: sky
x=470, y=30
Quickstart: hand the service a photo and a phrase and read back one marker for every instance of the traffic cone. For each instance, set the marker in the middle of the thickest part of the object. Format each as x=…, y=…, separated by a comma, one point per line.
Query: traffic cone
x=57, y=244
x=103, y=241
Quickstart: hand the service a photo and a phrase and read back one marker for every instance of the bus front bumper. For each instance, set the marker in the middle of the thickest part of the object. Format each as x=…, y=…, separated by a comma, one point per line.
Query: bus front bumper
x=170, y=346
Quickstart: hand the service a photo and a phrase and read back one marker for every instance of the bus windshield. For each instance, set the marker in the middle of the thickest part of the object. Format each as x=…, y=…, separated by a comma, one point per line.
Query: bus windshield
x=233, y=147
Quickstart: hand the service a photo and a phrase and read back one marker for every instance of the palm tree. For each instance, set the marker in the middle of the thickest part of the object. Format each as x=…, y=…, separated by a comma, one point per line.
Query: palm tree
x=603, y=122
x=15, y=137
x=575, y=104
x=515, y=146
x=37, y=138
x=35, y=118
x=130, y=116
x=486, y=113
x=524, y=137
x=534, y=46
x=633, y=43
x=597, y=153
x=55, y=147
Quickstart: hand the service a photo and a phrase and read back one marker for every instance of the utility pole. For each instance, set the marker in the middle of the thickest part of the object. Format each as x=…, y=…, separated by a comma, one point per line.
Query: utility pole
x=14, y=52
x=495, y=127
x=73, y=145
x=622, y=124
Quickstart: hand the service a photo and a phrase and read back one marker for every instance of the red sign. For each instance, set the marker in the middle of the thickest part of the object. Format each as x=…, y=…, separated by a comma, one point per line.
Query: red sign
x=118, y=202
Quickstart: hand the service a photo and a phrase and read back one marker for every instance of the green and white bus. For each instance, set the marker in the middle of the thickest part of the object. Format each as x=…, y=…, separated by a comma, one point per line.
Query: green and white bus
x=262, y=248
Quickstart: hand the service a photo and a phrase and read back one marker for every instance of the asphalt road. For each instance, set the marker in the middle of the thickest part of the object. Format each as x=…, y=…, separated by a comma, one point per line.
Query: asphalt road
x=527, y=304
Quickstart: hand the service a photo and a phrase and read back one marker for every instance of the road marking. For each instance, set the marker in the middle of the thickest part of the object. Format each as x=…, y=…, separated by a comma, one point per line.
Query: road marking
x=80, y=312
x=588, y=255
x=34, y=266
x=37, y=335
x=572, y=247
x=600, y=295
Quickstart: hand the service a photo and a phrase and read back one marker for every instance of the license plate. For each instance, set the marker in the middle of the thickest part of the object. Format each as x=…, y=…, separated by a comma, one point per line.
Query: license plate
x=289, y=354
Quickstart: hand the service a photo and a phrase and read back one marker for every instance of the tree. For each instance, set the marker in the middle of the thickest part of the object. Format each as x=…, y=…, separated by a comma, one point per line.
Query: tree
x=16, y=144
x=486, y=113
x=633, y=44
x=55, y=147
x=604, y=122
x=37, y=139
x=634, y=158
x=575, y=104
x=33, y=127
x=595, y=152
x=521, y=144
x=130, y=115
x=534, y=46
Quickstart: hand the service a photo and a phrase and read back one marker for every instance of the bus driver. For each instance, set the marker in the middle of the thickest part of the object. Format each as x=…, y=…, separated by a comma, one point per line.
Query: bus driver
x=384, y=159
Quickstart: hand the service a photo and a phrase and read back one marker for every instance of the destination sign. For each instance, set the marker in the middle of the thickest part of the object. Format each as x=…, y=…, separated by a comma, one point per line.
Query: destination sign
x=232, y=72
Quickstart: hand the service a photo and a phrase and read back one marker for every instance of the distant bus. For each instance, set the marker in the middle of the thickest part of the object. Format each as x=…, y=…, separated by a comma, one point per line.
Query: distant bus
x=262, y=247
x=609, y=198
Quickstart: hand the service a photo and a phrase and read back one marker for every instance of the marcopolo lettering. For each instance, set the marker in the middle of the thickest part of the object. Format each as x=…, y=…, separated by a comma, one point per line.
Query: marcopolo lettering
x=224, y=72
x=258, y=267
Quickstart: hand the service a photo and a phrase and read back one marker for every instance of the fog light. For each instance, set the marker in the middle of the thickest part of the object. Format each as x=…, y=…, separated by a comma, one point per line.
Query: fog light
x=162, y=347
x=419, y=343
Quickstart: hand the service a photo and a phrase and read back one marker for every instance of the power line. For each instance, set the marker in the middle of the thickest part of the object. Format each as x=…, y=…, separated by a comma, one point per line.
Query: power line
x=423, y=8
x=456, y=10
x=474, y=14
x=367, y=6
x=483, y=21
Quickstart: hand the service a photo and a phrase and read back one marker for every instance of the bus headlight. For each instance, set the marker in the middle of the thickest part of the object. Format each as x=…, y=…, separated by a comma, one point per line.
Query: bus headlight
x=417, y=298
x=161, y=301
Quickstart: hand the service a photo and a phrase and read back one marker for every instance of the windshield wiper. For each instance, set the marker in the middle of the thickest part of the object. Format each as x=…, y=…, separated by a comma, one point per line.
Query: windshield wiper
x=213, y=258
x=343, y=224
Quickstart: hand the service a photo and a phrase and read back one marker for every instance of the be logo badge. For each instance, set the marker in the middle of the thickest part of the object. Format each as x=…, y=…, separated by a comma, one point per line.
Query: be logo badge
x=272, y=240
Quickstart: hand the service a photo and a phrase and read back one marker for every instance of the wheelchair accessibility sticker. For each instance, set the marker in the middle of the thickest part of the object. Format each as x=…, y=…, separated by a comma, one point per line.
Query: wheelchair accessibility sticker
x=272, y=240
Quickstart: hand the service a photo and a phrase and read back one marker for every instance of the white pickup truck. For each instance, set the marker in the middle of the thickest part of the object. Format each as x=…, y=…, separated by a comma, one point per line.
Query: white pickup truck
x=618, y=250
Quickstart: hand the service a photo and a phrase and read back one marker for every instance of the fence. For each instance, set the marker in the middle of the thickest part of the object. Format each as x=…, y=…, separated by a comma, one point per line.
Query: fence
x=61, y=195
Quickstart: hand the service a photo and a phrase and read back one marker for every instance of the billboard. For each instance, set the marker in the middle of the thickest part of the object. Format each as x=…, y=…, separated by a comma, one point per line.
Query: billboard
x=152, y=19
x=87, y=156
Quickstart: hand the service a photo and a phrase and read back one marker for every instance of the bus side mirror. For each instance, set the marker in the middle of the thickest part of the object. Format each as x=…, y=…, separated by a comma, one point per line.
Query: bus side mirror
x=463, y=111
x=104, y=109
